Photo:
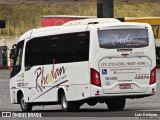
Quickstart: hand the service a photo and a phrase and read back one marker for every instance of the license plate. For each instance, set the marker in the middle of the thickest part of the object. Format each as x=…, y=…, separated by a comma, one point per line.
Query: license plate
x=125, y=86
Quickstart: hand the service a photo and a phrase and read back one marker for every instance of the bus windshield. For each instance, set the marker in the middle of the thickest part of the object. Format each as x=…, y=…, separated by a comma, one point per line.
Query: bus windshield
x=123, y=38
x=18, y=60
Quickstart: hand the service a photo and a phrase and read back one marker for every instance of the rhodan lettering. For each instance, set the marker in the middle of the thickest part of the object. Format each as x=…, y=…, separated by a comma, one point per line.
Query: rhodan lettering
x=116, y=38
x=50, y=77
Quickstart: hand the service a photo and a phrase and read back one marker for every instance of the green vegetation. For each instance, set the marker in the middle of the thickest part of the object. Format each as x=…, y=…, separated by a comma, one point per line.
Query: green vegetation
x=22, y=17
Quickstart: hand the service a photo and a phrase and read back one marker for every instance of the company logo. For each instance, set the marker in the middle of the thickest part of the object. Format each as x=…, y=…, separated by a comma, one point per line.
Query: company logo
x=19, y=114
x=50, y=77
x=104, y=71
x=6, y=114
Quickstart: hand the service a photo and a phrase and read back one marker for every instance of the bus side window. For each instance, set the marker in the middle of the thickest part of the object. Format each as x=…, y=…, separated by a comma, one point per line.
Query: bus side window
x=42, y=51
x=17, y=62
x=54, y=51
x=82, y=47
x=81, y=38
x=54, y=42
x=64, y=48
x=67, y=48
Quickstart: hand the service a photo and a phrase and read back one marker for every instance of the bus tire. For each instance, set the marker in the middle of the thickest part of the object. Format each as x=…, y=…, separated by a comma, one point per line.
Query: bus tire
x=68, y=106
x=25, y=107
x=116, y=104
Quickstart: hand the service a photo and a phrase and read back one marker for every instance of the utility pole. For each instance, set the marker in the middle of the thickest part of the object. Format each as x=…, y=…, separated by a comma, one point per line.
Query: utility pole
x=105, y=8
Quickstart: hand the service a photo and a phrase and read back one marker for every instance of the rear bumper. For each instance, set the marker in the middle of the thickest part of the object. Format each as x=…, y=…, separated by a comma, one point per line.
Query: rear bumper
x=98, y=92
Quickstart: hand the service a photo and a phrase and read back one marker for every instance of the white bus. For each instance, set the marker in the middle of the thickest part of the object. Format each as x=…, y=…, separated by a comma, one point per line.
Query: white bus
x=86, y=61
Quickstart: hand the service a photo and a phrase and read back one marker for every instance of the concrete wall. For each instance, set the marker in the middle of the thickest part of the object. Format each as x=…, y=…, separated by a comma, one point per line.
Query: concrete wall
x=8, y=42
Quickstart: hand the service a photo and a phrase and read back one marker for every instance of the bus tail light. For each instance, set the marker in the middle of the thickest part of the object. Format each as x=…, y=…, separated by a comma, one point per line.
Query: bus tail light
x=95, y=78
x=153, y=76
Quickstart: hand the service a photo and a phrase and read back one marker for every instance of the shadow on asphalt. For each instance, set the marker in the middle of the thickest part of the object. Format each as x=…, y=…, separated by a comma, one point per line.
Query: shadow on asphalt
x=89, y=110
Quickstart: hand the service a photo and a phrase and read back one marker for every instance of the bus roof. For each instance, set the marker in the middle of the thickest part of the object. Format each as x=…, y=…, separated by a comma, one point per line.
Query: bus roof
x=43, y=31
x=67, y=16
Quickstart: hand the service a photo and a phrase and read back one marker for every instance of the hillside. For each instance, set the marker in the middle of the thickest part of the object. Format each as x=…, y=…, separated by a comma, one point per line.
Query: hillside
x=74, y=1
x=22, y=17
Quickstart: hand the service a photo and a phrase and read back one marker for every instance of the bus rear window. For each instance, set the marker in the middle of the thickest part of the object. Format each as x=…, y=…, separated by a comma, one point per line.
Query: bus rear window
x=123, y=38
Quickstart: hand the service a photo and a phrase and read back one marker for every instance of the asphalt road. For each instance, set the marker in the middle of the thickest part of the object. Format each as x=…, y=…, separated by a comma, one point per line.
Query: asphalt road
x=100, y=110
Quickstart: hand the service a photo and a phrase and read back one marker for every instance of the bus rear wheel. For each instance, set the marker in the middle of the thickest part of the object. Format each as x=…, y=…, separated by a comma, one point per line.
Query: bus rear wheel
x=25, y=107
x=68, y=106
x=116, y=104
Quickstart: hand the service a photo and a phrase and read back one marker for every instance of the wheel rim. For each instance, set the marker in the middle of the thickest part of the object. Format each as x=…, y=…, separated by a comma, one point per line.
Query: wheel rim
x=64, y=102
x=23, y=103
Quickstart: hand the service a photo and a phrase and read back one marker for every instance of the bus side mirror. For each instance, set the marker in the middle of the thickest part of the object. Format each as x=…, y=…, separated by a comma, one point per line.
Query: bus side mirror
x=13, y=53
